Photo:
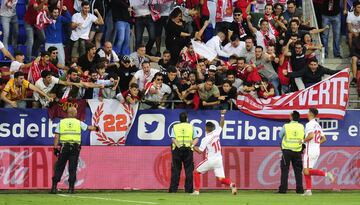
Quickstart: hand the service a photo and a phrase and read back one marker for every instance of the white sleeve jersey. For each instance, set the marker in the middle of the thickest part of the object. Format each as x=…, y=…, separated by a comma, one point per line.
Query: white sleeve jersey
x=313, y=146
x=211, y=143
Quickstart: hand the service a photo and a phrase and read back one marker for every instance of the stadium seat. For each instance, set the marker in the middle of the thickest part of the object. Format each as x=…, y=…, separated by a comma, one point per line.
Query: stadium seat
x=22, y=35
x=21, y=22
x=21, y=1
x=11, y=49
x=22, y=48
x=20, y=10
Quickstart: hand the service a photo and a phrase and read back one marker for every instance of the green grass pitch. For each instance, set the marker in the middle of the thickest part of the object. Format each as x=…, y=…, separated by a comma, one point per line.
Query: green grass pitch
x=163, y=198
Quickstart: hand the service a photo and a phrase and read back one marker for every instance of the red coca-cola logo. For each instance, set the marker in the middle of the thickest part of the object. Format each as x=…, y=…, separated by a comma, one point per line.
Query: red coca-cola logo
x=344, y=165
x=30, y=167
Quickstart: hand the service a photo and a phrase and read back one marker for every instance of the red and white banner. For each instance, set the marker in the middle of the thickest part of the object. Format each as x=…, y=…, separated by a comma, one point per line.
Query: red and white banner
x=144, y=2
x=329, y=96
x=114, y=120
x=31, y=167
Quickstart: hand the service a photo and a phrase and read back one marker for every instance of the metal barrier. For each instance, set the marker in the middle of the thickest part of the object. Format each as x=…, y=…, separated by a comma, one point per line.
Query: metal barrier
x=309, y=11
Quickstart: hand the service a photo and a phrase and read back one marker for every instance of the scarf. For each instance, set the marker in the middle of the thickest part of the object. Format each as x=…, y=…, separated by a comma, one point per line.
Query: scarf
x=271, y=21
x=34, y=72
x=285, y=66
x=242, y=32
x=42, y=19
x=220, y=12
x=266, y=38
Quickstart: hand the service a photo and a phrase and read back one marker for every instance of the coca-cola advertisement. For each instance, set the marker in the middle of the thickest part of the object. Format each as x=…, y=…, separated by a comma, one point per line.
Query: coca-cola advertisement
x=31, y=167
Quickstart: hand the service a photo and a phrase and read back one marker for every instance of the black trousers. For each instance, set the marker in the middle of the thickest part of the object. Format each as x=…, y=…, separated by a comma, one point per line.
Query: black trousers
x=296, y=160
x=183, y=155
x=69, y=152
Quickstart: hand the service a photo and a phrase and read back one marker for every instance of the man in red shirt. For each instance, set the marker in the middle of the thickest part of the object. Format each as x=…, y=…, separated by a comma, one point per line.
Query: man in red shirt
x=35, y=6
x=45, y=63
x=266, y=90
x=41, y=64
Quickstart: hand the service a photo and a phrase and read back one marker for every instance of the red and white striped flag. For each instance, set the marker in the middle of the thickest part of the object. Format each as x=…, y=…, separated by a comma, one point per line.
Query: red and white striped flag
x=329, y=96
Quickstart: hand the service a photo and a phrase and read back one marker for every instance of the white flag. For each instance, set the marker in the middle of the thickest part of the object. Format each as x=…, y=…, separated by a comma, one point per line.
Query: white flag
x=204, y=51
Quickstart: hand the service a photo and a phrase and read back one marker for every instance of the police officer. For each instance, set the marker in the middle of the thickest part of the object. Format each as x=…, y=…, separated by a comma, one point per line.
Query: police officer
x=183, y=139
x=69, y=132
x=291, y=134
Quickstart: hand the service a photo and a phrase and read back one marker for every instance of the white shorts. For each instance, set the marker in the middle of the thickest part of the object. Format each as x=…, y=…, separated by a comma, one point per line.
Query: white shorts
x=310, y=160
x=215, y=164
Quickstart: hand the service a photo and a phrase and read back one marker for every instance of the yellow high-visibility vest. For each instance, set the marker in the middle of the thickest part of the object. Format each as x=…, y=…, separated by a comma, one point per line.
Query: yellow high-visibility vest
x=294, y=132
x=70, y=131
x=184, y=134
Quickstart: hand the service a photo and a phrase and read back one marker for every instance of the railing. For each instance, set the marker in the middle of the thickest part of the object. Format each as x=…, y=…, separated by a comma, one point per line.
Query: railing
x=309, y=11
x=173, y=102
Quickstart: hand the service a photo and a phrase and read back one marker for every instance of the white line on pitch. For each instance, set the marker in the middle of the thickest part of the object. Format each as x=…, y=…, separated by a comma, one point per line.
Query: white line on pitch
x=107, y=199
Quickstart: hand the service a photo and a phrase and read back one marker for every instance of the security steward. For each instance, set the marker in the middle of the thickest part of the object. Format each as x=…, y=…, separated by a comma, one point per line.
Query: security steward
x=183, y=139
x=69, y=132
x=291, y=134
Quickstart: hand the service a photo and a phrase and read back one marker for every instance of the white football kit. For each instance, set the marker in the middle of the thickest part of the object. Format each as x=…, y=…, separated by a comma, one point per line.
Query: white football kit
x=312, y=150
x=213, y=161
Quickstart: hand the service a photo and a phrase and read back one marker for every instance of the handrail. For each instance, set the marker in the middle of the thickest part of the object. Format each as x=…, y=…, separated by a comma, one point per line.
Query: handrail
x=308, y=10
x=180, y=101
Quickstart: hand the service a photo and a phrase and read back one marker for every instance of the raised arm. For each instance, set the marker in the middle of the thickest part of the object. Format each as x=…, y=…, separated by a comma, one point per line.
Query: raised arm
x=36, y=89
x=100, y=20
x=222, y=118
x=251, y=27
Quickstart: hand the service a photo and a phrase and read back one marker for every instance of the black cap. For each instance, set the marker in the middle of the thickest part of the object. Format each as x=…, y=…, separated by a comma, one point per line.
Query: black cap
x=125, y=59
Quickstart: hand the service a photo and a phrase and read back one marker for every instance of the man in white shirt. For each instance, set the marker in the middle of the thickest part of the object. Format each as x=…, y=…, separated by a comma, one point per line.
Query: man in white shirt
x=107, y=52
x=353, y=22
x=235, y=46
x=314, y=136
x=18, y=63
x=46, y=83
x=215, y=44
x=81, y=24
x=211, y=144
x=143, y=76
x=264, y=36
x=156, y=92
x=9, y=20
x=144, y=19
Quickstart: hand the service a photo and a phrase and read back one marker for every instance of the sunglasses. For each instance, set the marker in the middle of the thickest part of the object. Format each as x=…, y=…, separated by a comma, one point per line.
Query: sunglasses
x=159, y=79
x=237, y=14
x=126, y=62
x=54, y=52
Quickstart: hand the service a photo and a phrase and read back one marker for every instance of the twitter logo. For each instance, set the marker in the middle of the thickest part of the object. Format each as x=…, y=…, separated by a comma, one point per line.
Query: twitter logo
x=151, y=126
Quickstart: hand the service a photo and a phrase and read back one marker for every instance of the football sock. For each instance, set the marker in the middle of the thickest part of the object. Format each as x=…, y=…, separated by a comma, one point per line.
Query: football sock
x=197, y=180
x=316, y=172
x=308, y=182
x=225, y=181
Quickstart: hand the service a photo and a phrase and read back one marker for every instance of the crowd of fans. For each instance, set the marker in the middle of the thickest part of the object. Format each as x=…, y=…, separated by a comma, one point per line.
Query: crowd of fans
x=264, y=49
